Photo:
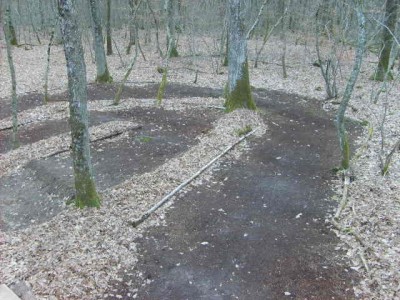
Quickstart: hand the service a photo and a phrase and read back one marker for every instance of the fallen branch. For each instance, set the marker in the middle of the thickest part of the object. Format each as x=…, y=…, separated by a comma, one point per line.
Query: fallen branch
x=164, y=200
x=216, y=107
x=351, y=232
x=19, y=125
x=106, y=137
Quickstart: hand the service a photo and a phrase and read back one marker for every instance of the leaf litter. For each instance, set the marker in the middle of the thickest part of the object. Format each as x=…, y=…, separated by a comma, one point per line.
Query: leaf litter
x=373, y=210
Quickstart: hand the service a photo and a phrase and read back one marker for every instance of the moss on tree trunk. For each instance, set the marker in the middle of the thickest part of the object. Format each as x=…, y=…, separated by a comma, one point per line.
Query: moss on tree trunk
x=103, y=75
x=383, y=71
x=13, y=41
x=86, y=194
x=170, y=7
x=173, y=52
x=340, y=117
x=238, y=94
x=161, y=88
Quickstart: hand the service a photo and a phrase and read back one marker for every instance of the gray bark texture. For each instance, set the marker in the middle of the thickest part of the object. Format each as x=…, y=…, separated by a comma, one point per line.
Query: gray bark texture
x=46, y=74
x=14, y=102
x=383, y=71
x=343, y=136
x=238, y=94
x=86, y=194
x=170, y=7
x=101, y=62
x=108, y=26
x=133, y=27
x=10, y=26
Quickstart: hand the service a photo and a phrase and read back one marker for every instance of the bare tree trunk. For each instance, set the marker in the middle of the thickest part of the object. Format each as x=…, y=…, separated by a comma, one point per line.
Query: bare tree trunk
x=326, y=15
x=224, y=41
x=283, y=37
x=267, y=35
x=157, y=28
x=10, y=25
x=257, y=20
x=46, y=74
x=86, y=194
x=238, y=93
x=328, y=66
x=132, y=26
x=101, y=62
x=343, y=137
x=170, y=7
x=383, y=72
x=35, y=31
x=108, y=27
x=14, y=103
x=132, y=64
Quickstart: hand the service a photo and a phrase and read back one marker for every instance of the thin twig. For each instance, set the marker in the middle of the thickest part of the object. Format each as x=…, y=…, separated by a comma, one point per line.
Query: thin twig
x=364, y=261
x=119, y=54
x=388, y=160
x=349, y=231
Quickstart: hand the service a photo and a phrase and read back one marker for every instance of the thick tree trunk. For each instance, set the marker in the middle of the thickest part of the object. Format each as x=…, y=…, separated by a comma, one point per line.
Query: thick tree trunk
x=86, y=194
x=108, y=26
x=101, y=62
x=170, y=7
x=383, y=72
x=14, y=103
x=238, y=93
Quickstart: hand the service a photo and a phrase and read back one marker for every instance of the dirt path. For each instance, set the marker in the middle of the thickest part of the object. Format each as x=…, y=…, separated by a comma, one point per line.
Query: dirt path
x=257, y=229
x=103, y=92
x=37, y=191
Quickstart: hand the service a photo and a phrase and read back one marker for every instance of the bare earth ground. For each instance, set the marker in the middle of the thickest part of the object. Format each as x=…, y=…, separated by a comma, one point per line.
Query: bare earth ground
x=256, y=228
x=91, y=248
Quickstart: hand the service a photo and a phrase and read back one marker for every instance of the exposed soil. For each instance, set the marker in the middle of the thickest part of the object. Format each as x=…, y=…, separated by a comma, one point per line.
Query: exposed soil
x=38, y=191
x=372, y=213
x=107, y=92
x=256, y=229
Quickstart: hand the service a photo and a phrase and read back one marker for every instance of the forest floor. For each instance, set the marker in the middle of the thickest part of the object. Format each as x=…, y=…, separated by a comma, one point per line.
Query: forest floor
x=218, y=235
